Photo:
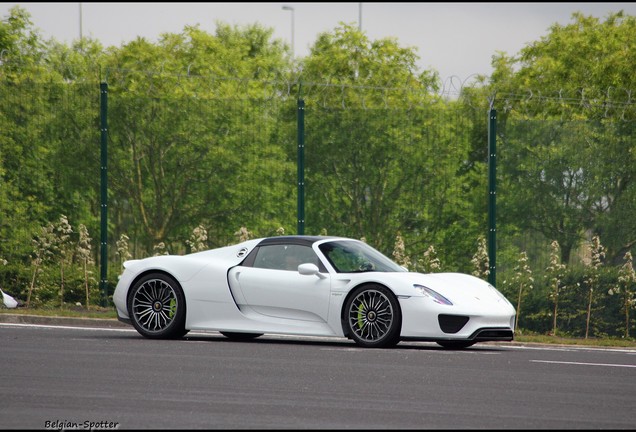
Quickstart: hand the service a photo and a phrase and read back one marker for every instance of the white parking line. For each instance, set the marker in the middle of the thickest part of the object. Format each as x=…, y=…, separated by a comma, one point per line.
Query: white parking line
x=66, y=327
x=569, y=349
x=584, y=364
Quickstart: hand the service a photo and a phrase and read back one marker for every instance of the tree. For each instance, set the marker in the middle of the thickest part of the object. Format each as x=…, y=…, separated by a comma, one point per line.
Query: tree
x=84, y=251
x=480, y=261
x=626, y=288
x=243, y=234
x=589, y=57
x=62, y=246
x=123, y=249
x=399, y=253
x=191, y=155
x=347, y=57
x=567, y=127
x=547, y=181
x=48, y=125
x=43, y=252
x=198, y=240
x=26, y=192
x=429, y=263
x=554, y=274
x=523, y=281
x=384, y=153
x=597, y=255
x=21, y=45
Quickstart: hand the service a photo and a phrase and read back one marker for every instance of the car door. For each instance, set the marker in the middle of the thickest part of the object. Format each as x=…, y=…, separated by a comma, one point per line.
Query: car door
x=272, y=285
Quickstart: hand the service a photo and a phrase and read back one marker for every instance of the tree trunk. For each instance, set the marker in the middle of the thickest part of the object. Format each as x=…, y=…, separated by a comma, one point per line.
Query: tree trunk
x=554, y=323
x=62, y=285
x=518, y=308
x=626, y=315
x=35, y=272
x=589, y=312
x=86, y=282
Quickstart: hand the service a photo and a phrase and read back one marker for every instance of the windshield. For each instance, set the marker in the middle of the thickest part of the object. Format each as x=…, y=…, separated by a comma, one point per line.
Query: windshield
x=355, y=257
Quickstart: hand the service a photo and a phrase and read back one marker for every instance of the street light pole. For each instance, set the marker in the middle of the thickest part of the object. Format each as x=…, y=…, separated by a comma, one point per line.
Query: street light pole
x=290, y=8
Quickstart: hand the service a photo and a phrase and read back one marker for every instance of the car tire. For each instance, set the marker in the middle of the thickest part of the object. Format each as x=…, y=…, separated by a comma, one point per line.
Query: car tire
x=456, y=344
x=241, y=336
x=372, y=317
x=157, y=308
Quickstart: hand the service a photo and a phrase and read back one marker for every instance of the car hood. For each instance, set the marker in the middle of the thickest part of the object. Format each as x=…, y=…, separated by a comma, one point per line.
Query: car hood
x=459, y=288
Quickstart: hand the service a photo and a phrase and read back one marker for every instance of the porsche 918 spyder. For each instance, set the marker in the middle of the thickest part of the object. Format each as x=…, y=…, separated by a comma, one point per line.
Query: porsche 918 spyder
x=312, y=286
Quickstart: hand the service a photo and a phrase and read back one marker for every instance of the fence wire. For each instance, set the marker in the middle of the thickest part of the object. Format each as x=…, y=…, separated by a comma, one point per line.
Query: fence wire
x=381, y=164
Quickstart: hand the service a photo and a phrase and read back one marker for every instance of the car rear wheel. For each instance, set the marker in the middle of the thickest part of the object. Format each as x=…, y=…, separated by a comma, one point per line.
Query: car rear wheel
x=372, y=317
x=157, y=308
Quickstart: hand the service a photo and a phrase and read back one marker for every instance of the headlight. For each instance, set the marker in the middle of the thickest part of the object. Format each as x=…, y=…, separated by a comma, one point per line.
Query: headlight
x=437, y=297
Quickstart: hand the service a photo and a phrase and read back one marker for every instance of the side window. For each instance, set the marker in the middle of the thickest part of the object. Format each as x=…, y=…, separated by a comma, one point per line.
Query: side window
x=284, y=257
x=344, y=260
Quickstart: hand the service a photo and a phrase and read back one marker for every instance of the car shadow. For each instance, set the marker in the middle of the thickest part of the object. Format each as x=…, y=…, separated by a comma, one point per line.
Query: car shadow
x=336, y=342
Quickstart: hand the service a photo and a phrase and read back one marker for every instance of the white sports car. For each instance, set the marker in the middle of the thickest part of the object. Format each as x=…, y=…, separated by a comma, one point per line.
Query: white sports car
x=308, y=285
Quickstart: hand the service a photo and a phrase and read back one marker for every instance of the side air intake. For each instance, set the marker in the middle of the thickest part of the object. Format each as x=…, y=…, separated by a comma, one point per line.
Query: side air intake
x=452, y=323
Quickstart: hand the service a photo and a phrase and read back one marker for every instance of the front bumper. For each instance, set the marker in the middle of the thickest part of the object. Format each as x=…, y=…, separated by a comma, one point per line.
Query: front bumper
x=422, y=320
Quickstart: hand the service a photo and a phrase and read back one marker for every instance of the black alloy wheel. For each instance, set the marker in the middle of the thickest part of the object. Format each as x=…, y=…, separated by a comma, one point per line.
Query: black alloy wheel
x=157, y=308
x=372, y=317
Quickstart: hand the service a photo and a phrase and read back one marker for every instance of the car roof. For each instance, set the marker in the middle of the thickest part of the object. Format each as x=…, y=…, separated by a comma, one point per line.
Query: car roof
x=305, y=240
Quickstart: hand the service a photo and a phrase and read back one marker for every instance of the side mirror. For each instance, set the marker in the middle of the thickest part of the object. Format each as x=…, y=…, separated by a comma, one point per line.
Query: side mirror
x=309, y=269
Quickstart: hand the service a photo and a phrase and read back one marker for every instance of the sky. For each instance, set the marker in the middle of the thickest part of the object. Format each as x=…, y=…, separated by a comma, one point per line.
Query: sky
x=456, y=39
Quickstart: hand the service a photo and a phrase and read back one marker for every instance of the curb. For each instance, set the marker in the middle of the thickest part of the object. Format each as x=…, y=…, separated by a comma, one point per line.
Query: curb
x=70, y=321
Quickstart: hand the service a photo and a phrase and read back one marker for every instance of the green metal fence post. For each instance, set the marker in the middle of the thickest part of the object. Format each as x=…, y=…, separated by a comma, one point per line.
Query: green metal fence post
x=492, y=198
x=103, y=283
x=301, y=166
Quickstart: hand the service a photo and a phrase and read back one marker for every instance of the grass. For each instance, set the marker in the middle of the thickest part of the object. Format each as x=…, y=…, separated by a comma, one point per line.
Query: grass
x=614, y=342
x=109, y=313
x=70, y=311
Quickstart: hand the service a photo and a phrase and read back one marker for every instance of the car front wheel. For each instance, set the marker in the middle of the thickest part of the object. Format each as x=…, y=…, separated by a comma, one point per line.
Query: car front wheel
x=157, y=309
x=372, y=317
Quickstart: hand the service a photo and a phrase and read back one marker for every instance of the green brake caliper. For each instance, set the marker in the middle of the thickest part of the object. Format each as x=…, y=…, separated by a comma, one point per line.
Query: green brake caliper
x=360, y=316
x=173, y=308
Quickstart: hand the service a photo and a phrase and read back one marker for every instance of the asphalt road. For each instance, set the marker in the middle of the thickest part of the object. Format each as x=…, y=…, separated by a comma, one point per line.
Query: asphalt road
x=63, y=377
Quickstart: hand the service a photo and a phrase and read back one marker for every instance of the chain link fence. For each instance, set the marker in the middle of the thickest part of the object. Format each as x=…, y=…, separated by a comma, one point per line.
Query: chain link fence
x=190, y=167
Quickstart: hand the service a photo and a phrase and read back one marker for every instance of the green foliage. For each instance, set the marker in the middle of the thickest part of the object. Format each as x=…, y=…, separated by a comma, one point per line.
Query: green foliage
x=198, y=240
x=123, y=249
x=626, y=288
x=593, y=268
x=83, y=251
x=356, y=70
x=591, y=57
x=22, y=51
x=481, y=264
x=399, y=253
x=202, y=132
x=177, y=164
x=566, y=124
x=522, y=282
x=554, y=278
x=429, y=263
